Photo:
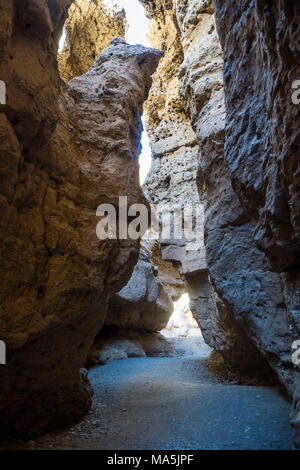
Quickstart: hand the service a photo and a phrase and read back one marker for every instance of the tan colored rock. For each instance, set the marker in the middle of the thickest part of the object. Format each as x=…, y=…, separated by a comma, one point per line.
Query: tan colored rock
x=173, y=142
x=88, y=30
x=172, y=180
x=55, y=273
x=29, y=41
x=166, y=272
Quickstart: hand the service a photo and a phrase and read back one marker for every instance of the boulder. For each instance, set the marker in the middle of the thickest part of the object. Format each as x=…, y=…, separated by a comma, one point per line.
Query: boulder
x=143, y=304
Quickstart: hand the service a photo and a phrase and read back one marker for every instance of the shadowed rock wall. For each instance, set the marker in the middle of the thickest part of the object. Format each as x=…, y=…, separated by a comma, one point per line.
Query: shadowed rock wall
x=201, y=88
x=262, y=57
x=193, y=61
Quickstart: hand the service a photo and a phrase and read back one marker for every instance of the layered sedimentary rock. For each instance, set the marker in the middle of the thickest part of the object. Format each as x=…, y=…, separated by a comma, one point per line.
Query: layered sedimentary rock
x=143, y=304
x=63, y=152
x=173, y=142
x=88, y=30
x=261, y=49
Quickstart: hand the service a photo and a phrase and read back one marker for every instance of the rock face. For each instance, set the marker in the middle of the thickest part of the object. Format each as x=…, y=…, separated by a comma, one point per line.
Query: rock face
x=88, y=30
x=184, y=86
x=252, y=323
x=108, y=350
x=261, y=48
x=173, y=141
x=165, y=270
x=201, y=88
x=63, y=152
x=143, y=304
x=29, y=37
x=247, y=177
x=172, y=180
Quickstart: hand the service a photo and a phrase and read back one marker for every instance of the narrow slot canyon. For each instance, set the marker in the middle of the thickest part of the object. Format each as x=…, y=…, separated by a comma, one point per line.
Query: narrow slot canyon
x=150, y=225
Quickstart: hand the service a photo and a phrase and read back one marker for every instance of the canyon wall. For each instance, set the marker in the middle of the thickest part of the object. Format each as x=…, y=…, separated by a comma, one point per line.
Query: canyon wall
x=262, y=57
x=88, y=30
x=64, y=150
x=187, y=93
x=247, y=174
x=201, y=88
x=143, y=304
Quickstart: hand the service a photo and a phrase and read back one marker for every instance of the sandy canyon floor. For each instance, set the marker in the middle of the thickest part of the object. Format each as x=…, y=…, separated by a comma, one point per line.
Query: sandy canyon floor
x=174, y=403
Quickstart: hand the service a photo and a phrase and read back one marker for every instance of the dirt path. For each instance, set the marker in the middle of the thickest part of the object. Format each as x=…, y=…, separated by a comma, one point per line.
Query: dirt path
x=174, y=403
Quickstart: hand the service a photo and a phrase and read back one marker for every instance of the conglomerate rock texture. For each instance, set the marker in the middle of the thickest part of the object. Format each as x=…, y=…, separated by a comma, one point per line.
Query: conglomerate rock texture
x=64, y=150
x=143, y=304
x=88, y=30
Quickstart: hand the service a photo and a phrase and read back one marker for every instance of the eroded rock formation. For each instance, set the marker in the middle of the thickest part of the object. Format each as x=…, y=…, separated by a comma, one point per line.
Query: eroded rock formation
x=201, y=88
x=261, y=48
x=63, y=152
x=88, y=30
x=173, y=178
x=143, y=304
x=65, y=149
x=247, y=176
x=185, y=84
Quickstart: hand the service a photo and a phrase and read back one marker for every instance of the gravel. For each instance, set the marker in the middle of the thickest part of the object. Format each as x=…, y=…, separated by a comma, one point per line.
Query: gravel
x=174, y=404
